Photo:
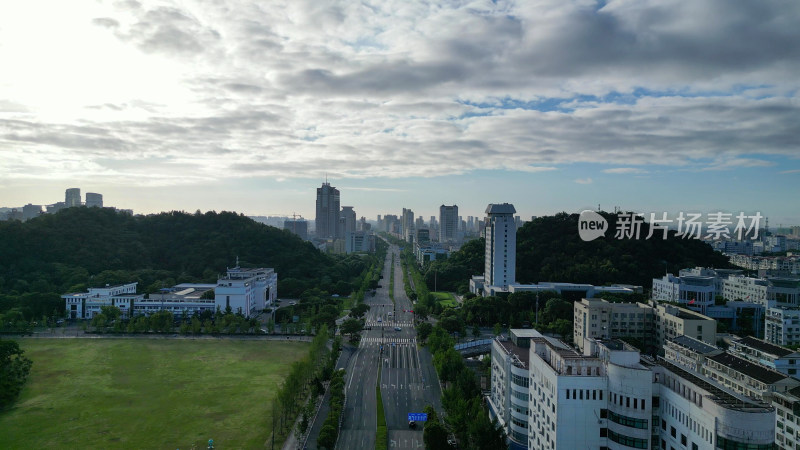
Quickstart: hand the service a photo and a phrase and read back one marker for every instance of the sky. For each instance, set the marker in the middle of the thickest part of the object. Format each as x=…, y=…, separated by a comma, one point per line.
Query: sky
x=552, y=105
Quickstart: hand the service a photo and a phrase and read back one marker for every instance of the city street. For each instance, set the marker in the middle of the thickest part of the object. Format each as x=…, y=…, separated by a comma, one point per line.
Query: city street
x=408, y=379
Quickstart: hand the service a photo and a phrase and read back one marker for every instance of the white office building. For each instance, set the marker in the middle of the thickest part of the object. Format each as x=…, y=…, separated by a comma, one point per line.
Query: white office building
x=248, y=291
x=501, y=247
x=693, y=291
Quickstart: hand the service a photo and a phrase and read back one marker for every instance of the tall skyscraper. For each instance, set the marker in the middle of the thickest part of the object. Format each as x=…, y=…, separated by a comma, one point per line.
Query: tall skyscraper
x=73, y=197
x=348, y=221
x=501, y=245
x=93, y=199
x=448, y=223
x=327, y=220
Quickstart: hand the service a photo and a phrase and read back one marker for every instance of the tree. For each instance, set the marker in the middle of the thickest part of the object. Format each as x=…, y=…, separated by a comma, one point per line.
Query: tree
x=352, y=327
x=497, y=329
x=99, y=322
x=424, y=330
x=327, y=437
x=112, y=313
x=14, y=370
x=359, y=310
x=476, y=331
x=435, y=436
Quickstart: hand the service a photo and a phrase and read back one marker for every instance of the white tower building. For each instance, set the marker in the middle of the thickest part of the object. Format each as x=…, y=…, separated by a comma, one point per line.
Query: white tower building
x=501, y=245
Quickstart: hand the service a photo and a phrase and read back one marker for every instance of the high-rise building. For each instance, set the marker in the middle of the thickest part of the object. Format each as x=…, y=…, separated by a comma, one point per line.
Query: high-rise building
x=501, y=245
x=407, y=225
x=448, y=223
x=348, y=216
x=72, y=197
x=93, y=199
x=327, y=220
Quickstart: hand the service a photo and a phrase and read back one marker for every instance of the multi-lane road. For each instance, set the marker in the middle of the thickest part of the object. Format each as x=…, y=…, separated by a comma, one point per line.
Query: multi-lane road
x=407, y=378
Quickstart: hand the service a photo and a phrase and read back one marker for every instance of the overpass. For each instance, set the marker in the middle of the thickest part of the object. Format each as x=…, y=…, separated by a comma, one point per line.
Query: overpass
x=474, y=348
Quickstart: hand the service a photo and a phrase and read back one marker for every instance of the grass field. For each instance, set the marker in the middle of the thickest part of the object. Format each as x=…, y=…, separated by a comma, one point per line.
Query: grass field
x=445, y=299
x=147, y=394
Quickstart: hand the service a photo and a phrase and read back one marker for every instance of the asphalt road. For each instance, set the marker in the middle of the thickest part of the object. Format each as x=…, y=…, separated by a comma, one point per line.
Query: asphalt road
x=408, y=379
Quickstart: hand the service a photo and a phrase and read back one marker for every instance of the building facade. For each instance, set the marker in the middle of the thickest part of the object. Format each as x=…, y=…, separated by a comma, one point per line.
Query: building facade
x=72, y=197
x=94, y=199
x=448, y=223
x=782, y=326
x=247, y=291
x=298, y=227
x=776, y=357
x=501, y=246
x=327, y=218
x=86, y=305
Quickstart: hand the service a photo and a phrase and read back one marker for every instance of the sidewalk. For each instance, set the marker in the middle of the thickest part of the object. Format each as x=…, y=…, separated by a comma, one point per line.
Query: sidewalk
x=322, y=413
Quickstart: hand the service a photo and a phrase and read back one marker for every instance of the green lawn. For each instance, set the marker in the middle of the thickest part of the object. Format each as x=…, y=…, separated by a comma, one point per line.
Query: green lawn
x=445, y=299
x=147, y=393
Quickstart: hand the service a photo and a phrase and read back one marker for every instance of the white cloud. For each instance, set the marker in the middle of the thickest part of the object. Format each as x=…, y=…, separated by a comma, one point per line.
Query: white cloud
x=395, y=89
x=584, y=181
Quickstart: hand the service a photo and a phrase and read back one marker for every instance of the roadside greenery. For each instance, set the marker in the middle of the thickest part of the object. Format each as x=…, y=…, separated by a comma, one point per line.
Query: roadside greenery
x=382, y=435
x=465, y=415
x=330, y=428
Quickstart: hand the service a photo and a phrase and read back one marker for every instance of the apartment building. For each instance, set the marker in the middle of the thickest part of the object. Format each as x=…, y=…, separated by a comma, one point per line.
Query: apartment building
x=655, y=322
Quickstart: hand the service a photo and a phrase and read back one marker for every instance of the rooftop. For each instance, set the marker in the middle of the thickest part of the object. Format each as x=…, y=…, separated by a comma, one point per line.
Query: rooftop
x=752, y=370
x=522, y=354
x=500, y=208
x=764, y=346
x=720, y=396
x=695, y=345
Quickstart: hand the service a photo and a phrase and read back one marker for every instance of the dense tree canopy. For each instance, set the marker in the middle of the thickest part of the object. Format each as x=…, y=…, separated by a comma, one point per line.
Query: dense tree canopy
x=14, y=370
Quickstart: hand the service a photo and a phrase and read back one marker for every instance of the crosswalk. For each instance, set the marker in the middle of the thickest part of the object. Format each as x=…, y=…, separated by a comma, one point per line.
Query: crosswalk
x=377, y=340
x=389, y=323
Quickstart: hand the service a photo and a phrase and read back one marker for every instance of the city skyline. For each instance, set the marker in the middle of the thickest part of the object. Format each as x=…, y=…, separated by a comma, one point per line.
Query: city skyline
x=552, y=106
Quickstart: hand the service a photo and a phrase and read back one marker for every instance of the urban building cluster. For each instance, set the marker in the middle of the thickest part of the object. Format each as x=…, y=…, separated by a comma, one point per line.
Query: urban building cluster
x=336, y=228
x=72, y=198
x=677, y=390
x=245, y=291
x=548, y=395
x=764, y=241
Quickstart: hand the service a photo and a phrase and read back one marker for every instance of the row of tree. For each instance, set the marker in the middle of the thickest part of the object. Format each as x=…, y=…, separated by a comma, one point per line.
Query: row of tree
x=14, y=370
x=330, y=428
x=465, y=415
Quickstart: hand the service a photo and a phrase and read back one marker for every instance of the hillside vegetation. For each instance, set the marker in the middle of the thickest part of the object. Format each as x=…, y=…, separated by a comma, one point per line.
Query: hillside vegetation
x=81, y=247
x=550, y=249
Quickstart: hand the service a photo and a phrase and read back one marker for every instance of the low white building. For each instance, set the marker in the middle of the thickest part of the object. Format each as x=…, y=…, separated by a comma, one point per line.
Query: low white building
x=247, y=291
x=86, y=305
x=692, y=291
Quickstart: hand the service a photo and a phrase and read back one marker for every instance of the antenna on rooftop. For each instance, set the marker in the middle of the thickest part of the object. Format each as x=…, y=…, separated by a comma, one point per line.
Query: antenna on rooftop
x=237, y=261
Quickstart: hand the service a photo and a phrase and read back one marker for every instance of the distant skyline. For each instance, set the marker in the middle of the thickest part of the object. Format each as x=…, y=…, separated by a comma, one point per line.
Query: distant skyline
x=550, y=105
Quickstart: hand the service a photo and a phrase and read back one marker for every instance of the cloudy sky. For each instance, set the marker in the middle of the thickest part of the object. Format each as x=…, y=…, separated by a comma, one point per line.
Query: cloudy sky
x=552, y=105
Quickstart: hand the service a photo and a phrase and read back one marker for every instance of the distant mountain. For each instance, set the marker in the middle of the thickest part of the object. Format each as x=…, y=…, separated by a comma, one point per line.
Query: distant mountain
x=55, y=252
x=550, y=249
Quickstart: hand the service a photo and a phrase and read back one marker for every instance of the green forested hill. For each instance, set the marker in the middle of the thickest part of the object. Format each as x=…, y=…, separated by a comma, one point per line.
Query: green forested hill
x=80, y=247
x=550, y=249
